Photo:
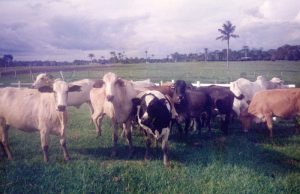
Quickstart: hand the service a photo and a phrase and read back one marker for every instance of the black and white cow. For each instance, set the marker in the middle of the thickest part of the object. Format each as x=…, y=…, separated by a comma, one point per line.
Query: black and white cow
x=154, y=116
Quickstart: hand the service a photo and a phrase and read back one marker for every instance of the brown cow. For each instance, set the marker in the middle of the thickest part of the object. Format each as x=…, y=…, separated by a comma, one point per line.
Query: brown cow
x=283, y=103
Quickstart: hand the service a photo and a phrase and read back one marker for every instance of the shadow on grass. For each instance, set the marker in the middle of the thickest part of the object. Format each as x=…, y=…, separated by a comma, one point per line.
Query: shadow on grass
x=104, y=153
x=253, y=150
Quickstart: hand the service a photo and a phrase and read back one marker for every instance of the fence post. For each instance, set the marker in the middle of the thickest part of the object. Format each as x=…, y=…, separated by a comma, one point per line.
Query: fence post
x=19, y=84
x=62, y=75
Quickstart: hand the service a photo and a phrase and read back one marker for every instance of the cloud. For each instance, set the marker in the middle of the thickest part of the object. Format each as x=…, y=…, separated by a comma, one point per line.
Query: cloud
x=85, y=34
x=71, y=28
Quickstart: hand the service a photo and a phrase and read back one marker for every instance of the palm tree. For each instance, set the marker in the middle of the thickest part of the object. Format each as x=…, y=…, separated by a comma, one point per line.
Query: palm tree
x=246, y=48
x=146, y=52
x=227, y=33
x=205, y=52
x=91, y=56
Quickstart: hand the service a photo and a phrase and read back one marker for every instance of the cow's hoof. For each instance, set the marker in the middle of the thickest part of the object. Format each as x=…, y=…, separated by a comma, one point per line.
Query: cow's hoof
x=67, y=158
x=167, y=164
x=113, y=154
x=131, y=153
x=147, y=158
x=98, y=134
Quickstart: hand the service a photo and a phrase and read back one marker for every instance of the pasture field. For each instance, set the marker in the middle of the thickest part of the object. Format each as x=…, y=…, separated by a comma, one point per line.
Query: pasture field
x=237, y=163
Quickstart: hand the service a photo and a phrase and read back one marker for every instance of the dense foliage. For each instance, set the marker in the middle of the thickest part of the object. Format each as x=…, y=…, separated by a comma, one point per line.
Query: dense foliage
x=286, y=52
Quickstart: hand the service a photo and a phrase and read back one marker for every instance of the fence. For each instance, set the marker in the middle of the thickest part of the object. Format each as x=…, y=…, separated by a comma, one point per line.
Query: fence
x=196, y=84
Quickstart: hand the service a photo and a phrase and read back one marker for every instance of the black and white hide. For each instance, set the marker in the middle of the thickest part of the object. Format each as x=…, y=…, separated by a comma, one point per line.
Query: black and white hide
x=154, y=116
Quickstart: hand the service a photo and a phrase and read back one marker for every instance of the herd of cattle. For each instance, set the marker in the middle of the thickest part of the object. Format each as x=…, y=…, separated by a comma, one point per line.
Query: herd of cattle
x=153, y=108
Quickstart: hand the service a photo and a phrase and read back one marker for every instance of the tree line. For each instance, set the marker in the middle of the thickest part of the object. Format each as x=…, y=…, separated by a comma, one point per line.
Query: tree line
x=286, y=52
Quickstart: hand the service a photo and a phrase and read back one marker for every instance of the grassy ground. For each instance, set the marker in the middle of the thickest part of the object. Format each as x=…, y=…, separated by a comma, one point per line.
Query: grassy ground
x=237, y=163
x=209, y=72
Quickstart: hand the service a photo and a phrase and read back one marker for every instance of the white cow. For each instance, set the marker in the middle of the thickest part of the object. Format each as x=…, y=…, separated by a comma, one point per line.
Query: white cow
x=74, y=99
x=248, y=89
x=112, y=96
x=42, y=110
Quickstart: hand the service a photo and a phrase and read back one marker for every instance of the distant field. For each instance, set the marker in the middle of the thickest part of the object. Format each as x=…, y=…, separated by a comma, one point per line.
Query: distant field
x=237, y=163
x=195, y=71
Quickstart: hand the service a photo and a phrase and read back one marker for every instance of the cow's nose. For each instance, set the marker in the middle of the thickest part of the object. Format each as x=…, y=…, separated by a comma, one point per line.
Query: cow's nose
x=61, y=108
x=110, y=98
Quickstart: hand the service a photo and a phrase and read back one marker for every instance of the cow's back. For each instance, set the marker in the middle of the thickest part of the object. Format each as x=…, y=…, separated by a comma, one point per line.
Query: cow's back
x=78, y=98
x=283, y=103
x=222, y=98
x=27, y=109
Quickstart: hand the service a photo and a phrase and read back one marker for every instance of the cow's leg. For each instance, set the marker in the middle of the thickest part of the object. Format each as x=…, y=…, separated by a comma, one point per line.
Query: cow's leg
x=90, y=107
x=114, y=138
x=4, y=138
x=178, y=126
x=91, y=110
x=297, y=124
x=148, y=145
x=97, y=120
x=225, y=123
x=207, y=123
x=269, y=124
x=199, y=125
x=165, y=146
x=246, y=123
x=63, y=145
x=44, y=143
x=187, y=125
x=129, y=136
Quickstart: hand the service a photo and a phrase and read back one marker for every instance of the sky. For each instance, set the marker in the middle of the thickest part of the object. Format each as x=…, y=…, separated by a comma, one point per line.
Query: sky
x=65, y=30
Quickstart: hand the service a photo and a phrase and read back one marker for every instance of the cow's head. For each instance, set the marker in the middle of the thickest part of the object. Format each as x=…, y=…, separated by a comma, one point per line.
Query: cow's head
x=179, y=91
x=60, y=91
x=277, y=83
x=43, y=79
x=110, y=83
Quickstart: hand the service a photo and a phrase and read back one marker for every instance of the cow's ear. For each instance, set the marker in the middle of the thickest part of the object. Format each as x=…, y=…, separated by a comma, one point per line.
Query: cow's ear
x=120, y=82
x=98, y=83
x=45, y=89
x=74, y=88
x=136, y=101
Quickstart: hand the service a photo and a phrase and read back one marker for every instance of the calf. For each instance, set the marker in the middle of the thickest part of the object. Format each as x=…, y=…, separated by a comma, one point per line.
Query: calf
x=154, y=116
x=284, y=103
x=222, y=102
x=42, y=110
x=192, y=104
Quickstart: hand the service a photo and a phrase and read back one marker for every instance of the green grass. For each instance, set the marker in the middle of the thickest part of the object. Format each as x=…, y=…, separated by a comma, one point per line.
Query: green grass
x=237, y=163
x=209, y=72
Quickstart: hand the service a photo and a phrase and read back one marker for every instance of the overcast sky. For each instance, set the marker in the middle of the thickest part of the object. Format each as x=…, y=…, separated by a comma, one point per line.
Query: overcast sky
x=70, y=29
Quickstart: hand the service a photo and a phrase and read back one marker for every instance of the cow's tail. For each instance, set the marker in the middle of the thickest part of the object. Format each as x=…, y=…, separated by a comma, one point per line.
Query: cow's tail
x=240, y=97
